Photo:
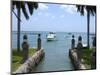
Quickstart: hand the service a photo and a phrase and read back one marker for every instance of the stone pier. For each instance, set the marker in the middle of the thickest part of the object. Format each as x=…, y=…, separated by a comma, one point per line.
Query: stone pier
x=75, y=61
x=30, y=63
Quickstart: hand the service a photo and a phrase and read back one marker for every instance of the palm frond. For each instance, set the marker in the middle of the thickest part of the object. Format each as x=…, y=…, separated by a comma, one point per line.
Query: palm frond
x=21, y=5
x=30, y=7
x=90, y=9
x=80, y=8
x=24, y=10
x=35, y=5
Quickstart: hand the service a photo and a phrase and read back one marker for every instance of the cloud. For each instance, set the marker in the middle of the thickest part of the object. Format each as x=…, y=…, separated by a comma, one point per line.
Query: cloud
x=62, y=16
x=39, y=13
x=42, y=6
x=69, y=8
x=53, y=17
x=47, y=14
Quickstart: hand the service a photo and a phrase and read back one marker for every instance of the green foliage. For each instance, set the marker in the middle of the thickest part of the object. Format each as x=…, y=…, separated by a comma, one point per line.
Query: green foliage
x=86, y=56
x=18, y=56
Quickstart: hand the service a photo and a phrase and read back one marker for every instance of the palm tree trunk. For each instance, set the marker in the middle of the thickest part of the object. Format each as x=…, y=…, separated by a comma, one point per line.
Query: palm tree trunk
x=18, y=28
x=88, y=28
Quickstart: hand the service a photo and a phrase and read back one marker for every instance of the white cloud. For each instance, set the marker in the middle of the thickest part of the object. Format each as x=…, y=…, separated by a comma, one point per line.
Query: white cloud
x=69, y=8
x=47, y=14
x=42, y=6
x=53, y=17
x=39, y=13
x=62, y=16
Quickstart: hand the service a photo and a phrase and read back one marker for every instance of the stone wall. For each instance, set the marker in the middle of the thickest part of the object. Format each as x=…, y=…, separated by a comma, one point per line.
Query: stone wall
x=75, y=61
x=30, y=63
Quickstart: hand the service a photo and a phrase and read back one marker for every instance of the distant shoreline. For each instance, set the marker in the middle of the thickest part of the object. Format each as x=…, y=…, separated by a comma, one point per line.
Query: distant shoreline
x=54, y=31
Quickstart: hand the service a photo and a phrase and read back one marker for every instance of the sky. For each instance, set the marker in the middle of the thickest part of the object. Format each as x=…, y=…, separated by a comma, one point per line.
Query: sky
x=56, y=18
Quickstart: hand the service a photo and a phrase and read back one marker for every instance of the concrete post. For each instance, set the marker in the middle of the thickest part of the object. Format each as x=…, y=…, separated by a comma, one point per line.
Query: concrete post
x=73, y=42
x=25, y=48
x=39, y=42
x=79, y=47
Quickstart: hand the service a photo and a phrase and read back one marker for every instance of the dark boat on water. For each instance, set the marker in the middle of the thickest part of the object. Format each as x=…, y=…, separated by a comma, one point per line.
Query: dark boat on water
x=69, y=33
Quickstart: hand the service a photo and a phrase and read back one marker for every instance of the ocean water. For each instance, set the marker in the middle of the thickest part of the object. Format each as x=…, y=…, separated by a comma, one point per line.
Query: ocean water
x=56, y=52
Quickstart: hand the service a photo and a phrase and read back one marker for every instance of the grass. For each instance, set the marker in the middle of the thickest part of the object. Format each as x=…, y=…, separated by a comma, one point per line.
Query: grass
x=86, y=56
x=17, y=57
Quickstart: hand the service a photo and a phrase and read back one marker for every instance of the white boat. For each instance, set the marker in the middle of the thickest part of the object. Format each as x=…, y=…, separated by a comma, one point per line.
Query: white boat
x=84, y=45
x=51, y=36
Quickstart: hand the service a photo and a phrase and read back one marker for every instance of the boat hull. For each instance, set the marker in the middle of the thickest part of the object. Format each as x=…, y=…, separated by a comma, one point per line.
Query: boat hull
x=51, y=37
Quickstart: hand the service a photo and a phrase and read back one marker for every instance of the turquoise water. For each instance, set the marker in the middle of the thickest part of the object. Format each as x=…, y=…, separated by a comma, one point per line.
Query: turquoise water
x=56, y=52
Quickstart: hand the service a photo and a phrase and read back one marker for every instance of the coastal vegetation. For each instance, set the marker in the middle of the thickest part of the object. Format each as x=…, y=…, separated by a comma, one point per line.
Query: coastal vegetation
x=86, y=57
x=18, y=56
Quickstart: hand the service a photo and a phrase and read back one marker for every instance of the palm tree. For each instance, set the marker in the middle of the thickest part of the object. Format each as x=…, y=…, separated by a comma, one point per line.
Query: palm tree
x=20, y=5
x=91, y=10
